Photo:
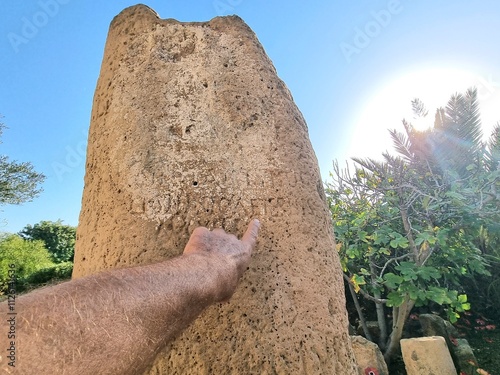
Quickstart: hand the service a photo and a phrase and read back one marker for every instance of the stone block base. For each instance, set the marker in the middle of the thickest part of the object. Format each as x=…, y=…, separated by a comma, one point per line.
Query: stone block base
x=427, y=355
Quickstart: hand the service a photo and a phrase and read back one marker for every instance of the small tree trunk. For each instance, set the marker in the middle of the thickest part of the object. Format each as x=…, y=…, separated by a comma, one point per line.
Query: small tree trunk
x=362, y=319
x=400, y=314
x=381, y=322
x=380, y=312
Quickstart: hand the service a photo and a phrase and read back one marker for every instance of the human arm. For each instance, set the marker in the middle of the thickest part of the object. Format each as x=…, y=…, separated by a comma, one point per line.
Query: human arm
x=116, y=321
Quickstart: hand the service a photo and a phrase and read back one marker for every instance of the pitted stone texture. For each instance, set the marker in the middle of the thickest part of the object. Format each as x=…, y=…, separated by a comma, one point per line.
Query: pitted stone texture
x=368, y=356
x=191, y=126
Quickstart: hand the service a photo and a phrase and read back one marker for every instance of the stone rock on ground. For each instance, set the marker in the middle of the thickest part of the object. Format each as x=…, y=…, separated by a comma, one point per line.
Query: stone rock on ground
x=467, y=362
x=433, y=325
x=373, y=328
x=461, y=352
x=368, y=356
x=192, y=126
x=427, y=355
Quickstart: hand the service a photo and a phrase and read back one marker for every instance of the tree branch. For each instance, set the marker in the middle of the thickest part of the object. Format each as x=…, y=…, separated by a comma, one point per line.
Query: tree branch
x=365, y=294
x=393, y=260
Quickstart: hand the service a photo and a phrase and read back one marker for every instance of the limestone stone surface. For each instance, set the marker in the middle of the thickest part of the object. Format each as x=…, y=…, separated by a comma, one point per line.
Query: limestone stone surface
x=427, y=355
x=368, y=356
x=192, y=126
x=433, y=325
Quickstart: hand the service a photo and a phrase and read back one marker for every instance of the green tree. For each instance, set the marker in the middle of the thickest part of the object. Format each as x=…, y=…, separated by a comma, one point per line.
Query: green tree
x=408, y=225
x=19, y=182
x=59, y=239
x=27, y=257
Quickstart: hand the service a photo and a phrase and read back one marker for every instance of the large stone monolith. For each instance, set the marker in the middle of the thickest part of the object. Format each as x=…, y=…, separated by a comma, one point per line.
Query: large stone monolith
x=191, y=126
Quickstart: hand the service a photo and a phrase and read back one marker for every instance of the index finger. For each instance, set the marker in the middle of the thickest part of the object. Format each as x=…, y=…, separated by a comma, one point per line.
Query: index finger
x=250, y=236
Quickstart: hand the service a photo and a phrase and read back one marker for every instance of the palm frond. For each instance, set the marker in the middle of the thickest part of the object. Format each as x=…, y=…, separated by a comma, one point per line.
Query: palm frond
x=439, y=119
x=492, y=152
x=402, y=143
x=369, y=164
x=457, y=132
x=454, y=113
x=418, y=108
x=470, y=127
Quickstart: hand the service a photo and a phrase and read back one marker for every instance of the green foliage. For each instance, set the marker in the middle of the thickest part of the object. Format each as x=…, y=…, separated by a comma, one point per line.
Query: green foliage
x=411, y=224
x=19, y=182
x=59, y=239
x=26, y=256
x=54, y=272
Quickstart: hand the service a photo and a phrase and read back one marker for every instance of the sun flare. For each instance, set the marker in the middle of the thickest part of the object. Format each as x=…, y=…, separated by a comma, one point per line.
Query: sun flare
x=390, y=103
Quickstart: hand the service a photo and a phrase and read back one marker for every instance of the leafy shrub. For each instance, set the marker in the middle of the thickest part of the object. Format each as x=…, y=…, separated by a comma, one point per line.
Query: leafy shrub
x=60, y=271
x=59, y=239
x=27, y=257
x=415, y=228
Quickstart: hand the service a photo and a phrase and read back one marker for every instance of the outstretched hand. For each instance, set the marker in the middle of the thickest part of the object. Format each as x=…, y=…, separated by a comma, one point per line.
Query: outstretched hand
x=178, y=290
x=227, y=252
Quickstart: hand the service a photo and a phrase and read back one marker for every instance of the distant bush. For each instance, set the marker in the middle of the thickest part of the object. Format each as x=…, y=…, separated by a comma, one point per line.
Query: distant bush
x=32, y=264
x=54, y=272
x=24, y=257
x=59, y=239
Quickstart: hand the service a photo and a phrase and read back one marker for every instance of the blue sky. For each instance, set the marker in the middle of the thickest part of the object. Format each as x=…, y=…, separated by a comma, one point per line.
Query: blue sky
x=352, y=67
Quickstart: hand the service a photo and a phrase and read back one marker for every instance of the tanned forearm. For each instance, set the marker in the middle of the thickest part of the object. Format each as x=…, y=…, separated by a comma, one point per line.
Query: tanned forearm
x=115, y=322
x=123, y=310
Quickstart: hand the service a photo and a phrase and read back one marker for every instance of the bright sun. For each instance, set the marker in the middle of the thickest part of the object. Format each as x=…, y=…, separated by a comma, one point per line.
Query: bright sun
x=389, y=104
